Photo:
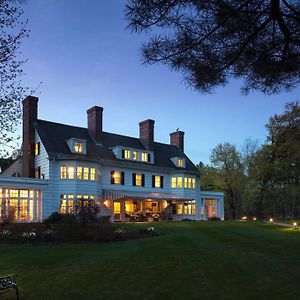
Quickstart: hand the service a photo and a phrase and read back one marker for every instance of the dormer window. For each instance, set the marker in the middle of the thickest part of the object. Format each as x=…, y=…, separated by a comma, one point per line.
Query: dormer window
x=78, y=147
x=135, y=155
x=180, y=162
x=126, y=154
x=145, y=157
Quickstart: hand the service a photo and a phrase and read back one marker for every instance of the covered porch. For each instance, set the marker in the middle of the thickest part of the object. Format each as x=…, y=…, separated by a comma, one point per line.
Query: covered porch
x=148, y=207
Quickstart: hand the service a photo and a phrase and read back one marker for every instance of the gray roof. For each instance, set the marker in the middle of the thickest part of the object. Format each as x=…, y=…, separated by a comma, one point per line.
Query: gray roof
x=55, y=135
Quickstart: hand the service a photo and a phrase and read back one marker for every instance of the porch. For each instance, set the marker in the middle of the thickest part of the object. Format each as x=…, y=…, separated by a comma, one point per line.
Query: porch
x=148, y=207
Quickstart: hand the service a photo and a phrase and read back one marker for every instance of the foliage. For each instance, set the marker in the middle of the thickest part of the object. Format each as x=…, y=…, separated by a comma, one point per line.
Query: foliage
x=210, y=41
x=11, y=91
x=260, y=181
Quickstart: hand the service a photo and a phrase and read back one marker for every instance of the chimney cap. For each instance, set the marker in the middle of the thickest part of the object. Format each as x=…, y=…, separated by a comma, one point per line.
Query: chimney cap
x=147, y=121
x=95, y=108
x=30, y=98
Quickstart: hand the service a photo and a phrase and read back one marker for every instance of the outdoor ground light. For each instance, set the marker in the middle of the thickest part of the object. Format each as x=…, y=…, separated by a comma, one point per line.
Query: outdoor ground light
x=244, y=218
x=254, y=219
x=271, y=220
x=295, y=225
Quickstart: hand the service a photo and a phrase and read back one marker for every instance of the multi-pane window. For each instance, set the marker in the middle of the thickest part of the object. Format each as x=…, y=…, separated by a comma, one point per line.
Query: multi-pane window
x=186, y=208
x=117, y=177
x=180, y=162
x=176, y=182
x=79, y=173
x=189, y=183
x=37, y=149
x=86, y=173
x=135, y=155
x=63, y=172
x=78, y=147
x=71, y=172
x=145, y=156
x=157, y=181
x=92, y=173
x=138, y=179
x=37, y=172
x=126, y=154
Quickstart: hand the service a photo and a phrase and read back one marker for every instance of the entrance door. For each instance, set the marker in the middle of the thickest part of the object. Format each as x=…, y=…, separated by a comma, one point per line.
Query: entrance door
x=117, y=210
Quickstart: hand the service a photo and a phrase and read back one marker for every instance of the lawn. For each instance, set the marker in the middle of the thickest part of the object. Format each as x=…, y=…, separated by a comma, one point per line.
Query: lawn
x=191, y=260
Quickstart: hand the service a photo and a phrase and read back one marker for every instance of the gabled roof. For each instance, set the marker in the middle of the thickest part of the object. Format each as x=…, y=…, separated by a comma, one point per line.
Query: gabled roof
x=55, y=135
x=6, y=163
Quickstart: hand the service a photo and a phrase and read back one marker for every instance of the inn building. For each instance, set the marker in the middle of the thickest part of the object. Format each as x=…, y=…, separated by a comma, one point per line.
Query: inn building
x=131, y=178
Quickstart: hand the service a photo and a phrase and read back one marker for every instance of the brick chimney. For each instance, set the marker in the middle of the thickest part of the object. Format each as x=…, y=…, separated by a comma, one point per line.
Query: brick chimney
x=147, y=133
x=94, y=119
x=30, y=111
x=177, y=139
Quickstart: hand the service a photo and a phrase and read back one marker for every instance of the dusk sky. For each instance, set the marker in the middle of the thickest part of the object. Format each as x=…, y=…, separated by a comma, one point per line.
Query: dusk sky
x=84, y=56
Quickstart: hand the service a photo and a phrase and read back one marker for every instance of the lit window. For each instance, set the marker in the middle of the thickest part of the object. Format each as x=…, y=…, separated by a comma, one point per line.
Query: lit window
x=174, y=184
x=23, y=193
x=185, y=182
x=63, y=172
x=193, y=183
x=23, y=210
x=63, y=204
x=179, y=209
x=157, y=181
x=86, y=173
x=79, y=173
x=116, y=177
x=135, y=155
x=180, y=162
x=138, y=179
x=189, y=183
x=145, y=156
x=70, y=204
x=37, y=149
x=127, y=154
x=78, y=147
x=71, y=172
x=92, y=174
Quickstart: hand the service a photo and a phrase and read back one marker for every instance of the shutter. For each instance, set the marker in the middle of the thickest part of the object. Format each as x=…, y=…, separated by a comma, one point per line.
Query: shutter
x=133, y=179
x=32, y=150
x=112, y=179
x=149, y=157
x=122, y=178
x=39, y=148
x=162, y=182
x=153, y=180
x=143, y=179
x=123, y=153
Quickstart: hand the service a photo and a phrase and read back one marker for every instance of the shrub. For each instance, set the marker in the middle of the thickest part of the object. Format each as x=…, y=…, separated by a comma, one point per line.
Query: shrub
x=87, y=211
x=58, y=218
x=214, y=219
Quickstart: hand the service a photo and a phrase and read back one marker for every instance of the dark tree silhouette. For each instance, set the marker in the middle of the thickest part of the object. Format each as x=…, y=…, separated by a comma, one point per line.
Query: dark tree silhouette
x=12, y=31
x=210, y=41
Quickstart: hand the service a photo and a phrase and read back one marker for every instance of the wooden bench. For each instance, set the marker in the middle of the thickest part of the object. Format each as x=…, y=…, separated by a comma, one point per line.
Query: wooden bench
x=9, y=282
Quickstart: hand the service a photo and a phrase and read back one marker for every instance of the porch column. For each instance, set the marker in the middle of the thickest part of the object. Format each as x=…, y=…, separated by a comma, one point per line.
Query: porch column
x=122, y=210
x=143, y=207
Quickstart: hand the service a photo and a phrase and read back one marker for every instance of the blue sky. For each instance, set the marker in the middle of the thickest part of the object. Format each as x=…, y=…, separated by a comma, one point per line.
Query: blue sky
x=84, y=56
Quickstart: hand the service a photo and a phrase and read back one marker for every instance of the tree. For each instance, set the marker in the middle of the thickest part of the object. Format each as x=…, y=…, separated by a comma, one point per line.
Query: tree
x=257, y=41
x=11, y=91
x=227, y=161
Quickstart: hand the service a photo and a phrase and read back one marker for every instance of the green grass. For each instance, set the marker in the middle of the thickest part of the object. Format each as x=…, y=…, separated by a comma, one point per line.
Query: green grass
x=217, y=260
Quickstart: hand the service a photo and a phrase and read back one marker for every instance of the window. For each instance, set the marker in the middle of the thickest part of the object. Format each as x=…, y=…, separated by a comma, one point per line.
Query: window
x=180, y=162
x=71, y=172
x=78, y=147
x=157, y=181
x=79, y=173
x=138, y=179
x=92, y=174
x=63, y=172
x=189, y=183
x=126, y=154
x=176, y=182
x=135, y=155
x=86, y=173
x=70, y=204
x=187, y=208
x=145, y=157
x=117, y=177
x=37, y=149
